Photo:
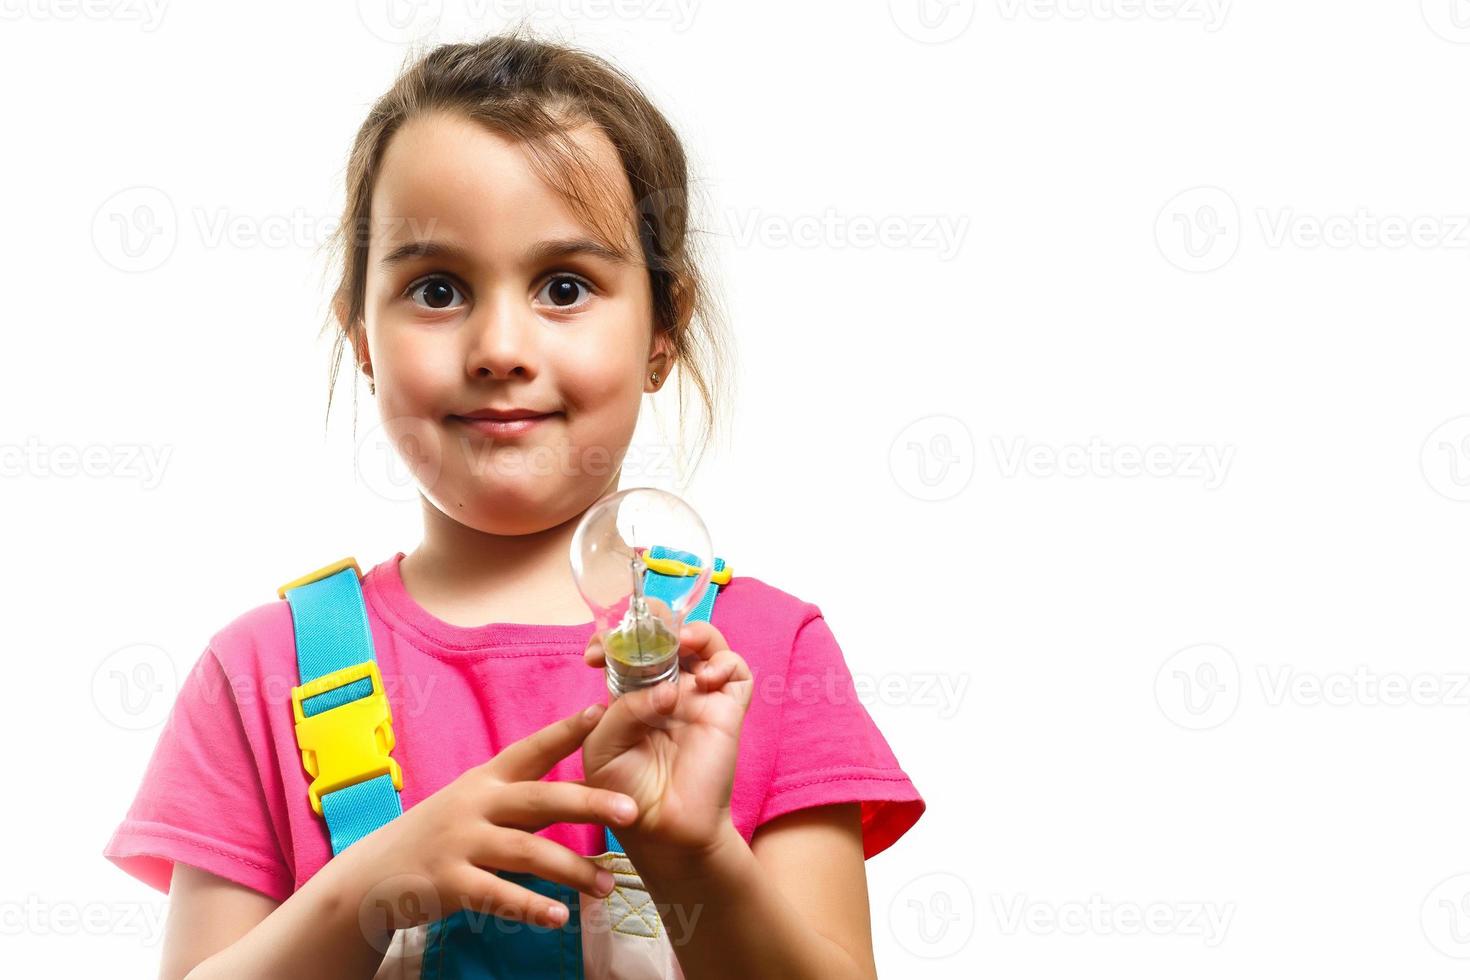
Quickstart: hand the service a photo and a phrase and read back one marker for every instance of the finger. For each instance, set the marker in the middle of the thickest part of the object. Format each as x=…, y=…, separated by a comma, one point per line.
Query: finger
x=725, y=667
x=628, y=721
x=701, y=641
x=533, y=756
x=533, y=805
x=484, y=891
x=503, y=849
x=595, y=655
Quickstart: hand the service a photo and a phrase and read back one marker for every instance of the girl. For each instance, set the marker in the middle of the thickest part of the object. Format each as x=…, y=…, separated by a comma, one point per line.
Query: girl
x=515, y=279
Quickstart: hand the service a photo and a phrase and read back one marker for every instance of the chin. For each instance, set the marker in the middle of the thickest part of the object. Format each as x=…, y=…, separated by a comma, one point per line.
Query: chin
x=512, y=505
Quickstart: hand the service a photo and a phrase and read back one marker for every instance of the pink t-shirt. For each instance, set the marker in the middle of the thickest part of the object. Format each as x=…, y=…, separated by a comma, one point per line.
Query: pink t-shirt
x=225, y=790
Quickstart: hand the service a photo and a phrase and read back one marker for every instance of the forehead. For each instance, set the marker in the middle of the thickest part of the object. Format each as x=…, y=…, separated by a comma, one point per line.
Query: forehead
x=446, y=176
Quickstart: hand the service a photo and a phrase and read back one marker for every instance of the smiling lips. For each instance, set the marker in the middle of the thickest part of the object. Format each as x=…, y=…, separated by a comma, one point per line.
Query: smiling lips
x=504, y=423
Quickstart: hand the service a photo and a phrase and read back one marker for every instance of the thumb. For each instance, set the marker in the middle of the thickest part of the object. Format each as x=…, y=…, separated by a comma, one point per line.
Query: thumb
x=627, y=722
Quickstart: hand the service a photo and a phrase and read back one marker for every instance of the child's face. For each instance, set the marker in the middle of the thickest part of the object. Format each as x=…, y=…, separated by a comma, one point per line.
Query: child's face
x=473, y=319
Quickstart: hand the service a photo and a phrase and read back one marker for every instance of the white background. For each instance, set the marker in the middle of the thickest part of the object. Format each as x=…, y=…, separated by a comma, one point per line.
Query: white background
x=1203, y=719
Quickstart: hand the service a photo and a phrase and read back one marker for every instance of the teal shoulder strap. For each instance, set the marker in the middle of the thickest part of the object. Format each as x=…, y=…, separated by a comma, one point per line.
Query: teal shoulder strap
x=344, y=724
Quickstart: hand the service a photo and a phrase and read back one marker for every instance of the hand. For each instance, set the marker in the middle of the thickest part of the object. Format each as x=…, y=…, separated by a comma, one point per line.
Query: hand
x=441, y=855
x=672, y=747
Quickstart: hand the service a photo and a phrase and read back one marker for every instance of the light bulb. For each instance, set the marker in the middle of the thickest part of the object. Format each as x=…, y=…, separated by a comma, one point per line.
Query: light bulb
x=638, y=615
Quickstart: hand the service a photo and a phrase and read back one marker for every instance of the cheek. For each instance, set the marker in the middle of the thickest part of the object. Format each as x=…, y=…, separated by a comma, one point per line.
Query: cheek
x=600, y=387
x=412, y=374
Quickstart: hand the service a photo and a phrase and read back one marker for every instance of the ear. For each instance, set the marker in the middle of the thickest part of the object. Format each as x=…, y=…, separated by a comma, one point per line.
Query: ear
x=660, y=362
x=663, y=357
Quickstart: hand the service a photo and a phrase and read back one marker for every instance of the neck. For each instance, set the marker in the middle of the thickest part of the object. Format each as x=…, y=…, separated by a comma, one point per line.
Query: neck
x=469, y=578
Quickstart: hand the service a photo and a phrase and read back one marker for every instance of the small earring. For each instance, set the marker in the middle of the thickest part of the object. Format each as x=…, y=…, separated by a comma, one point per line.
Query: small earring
x=655, y=377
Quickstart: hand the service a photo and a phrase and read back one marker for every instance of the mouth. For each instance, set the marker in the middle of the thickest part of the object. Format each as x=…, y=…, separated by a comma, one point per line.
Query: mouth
x=504, y=424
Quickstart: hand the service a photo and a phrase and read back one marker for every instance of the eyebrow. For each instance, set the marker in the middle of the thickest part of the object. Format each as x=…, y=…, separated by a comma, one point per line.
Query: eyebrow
x=536, y=255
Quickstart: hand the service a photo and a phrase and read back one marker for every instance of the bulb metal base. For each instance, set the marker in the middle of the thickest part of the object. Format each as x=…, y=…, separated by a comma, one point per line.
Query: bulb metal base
x=622, y=679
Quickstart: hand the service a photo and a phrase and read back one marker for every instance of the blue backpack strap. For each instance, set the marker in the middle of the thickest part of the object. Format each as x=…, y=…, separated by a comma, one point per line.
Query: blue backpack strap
x=668, y=587
x=344, y=724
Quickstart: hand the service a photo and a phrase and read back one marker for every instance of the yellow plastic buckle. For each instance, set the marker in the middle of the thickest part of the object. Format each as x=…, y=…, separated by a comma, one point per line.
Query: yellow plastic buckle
x=672, y=566
x=318, y=575
x=347, y=744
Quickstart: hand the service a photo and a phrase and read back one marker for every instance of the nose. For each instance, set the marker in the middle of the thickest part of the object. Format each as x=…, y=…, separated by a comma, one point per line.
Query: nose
x=503, y=340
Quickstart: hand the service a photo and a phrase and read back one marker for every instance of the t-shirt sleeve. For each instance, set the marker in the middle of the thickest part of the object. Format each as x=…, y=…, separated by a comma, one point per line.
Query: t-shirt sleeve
x=830, y=750
x=201, y=801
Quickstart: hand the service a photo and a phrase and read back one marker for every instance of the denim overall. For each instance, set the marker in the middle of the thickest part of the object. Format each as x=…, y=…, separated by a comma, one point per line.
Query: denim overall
x=345, y=732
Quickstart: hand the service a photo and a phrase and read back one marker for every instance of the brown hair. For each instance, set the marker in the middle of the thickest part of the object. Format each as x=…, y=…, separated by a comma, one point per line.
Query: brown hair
x=534, y=91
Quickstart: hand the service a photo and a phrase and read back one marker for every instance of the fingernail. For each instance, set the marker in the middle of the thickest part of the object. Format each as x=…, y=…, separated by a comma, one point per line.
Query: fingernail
x=556, y=915
x=605, y=883
x=592, y=712
x=625, y=809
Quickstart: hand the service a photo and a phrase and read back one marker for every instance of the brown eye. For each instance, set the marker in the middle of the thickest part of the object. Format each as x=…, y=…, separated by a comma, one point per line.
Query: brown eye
x=435, y=293
x=564, y=292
